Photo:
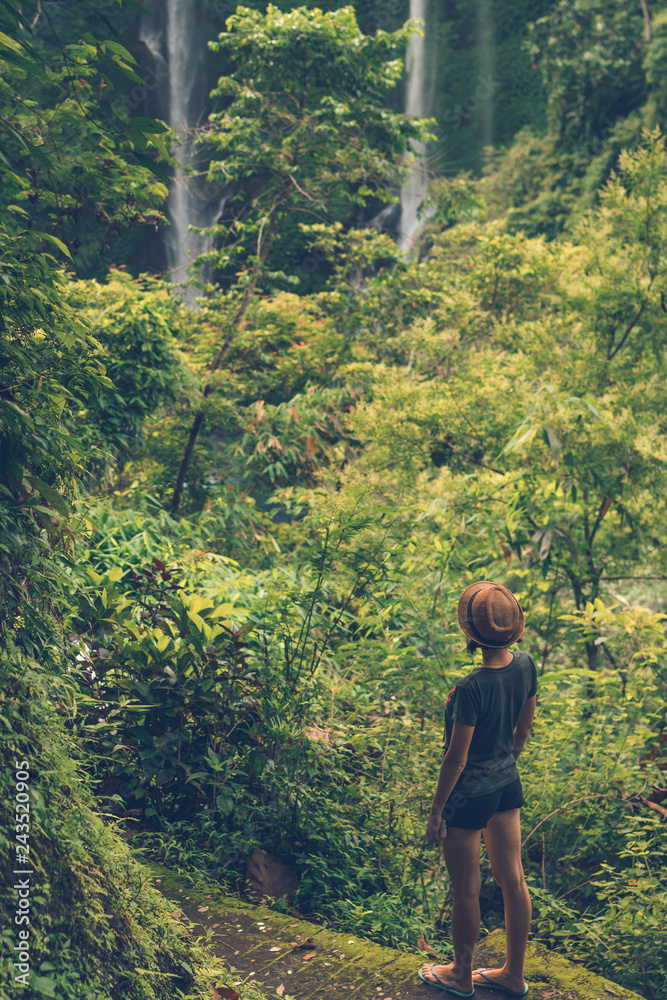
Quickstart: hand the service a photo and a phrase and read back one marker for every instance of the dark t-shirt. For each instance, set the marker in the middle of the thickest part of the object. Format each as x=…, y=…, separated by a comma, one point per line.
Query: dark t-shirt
x=490, y=699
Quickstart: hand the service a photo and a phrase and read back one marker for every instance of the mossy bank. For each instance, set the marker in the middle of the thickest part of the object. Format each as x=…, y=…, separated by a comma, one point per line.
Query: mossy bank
x=80, y=916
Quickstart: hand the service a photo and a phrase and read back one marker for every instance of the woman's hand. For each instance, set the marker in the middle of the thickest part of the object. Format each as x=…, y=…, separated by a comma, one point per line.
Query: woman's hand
x=450, y=771
x=434, y=825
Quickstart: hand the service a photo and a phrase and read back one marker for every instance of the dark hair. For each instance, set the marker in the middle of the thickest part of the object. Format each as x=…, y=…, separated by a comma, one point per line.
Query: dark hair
x=472, y=646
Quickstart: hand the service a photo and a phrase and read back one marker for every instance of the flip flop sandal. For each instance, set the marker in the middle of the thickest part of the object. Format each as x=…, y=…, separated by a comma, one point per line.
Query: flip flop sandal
x=440, y=985
x=490, y=984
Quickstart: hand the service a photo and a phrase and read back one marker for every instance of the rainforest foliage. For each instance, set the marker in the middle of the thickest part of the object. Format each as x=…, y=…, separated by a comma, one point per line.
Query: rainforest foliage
x=233, y=534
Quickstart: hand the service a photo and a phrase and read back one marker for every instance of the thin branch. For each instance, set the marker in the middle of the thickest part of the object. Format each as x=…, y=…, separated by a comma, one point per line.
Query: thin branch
x=602, y=578
x=259, y=235
x=304, y=193
x=473, y=428
x=476, y=461
x=582, y=798
x=577, y=886
x=653, y=805
x=604, y=508
x=612, y=354
x=72, y=78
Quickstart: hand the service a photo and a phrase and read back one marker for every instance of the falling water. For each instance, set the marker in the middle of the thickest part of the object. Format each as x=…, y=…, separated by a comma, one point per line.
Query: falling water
x=176, y=39
x=181, y=244
x=415, y=189
x=486, y=50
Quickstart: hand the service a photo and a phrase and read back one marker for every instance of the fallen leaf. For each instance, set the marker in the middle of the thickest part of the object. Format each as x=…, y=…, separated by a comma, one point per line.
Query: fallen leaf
x=308, y=942
x=280, y=990
x=311, y=954
x=274, y=949
x=202, y=909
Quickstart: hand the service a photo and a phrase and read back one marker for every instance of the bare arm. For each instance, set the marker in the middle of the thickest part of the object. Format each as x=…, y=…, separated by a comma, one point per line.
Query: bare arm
x=524, y=724
x=450, y=771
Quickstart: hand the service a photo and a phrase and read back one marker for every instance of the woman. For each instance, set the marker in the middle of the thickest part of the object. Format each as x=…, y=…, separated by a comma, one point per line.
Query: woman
x=488, y=717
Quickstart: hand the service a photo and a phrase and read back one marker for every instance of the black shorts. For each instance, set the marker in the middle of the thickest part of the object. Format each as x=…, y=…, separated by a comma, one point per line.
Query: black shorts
x=474, y=813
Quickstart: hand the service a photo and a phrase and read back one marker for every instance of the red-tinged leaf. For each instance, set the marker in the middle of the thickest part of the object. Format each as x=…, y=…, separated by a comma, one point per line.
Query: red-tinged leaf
x=159, y=565
x=224, y=993
x=423, y=945
x=294, y=413
x=605, y=507
x=280, y=990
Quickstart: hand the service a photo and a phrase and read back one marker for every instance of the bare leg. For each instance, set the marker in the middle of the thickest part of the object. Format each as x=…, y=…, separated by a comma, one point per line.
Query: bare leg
x=461, y=849
x=502, y=839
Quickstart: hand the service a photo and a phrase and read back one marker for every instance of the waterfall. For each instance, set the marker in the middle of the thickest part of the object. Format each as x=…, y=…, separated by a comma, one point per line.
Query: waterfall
x=176, y=39
x=179, y=239
x=417, y=100
x=486, y=52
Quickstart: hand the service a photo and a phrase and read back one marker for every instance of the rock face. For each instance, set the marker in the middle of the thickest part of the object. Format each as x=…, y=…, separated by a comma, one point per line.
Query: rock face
x=269, y=878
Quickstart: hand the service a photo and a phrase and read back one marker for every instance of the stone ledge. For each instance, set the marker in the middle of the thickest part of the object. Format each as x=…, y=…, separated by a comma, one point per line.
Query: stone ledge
x=256, y=941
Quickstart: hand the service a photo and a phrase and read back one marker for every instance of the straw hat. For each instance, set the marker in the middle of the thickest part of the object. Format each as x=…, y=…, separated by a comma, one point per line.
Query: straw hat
x=490, y=614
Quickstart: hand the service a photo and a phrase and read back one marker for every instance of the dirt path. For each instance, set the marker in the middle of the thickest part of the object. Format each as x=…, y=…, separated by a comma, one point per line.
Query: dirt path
x=307, y=961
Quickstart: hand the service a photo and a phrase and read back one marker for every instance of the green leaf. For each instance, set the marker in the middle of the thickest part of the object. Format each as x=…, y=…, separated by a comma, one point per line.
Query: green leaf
x=43, y=985
x=55, y=498
x=151, y=165
x=119, y=50
x=55, y=241
x=149, y=126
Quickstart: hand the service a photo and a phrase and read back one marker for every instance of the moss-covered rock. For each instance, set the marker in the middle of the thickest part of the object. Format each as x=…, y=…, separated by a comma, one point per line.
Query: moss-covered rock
x=268, y=947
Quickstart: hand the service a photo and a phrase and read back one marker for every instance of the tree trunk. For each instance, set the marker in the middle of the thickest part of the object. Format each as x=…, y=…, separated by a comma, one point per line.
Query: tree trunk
x=263, y=247
x=185, y=461
x=647, y=21
x=199, y=417
x=592, y=655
